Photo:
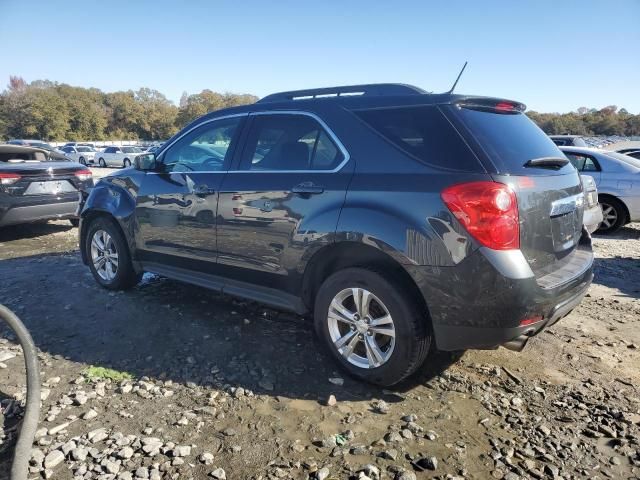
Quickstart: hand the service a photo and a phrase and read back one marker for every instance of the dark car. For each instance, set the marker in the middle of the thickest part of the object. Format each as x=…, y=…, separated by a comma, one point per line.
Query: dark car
x=33, y=143
x=403, y=221
x=37, y=185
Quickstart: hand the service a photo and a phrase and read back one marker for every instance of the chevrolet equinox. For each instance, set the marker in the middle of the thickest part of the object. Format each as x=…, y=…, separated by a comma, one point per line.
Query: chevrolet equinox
x=401, y=220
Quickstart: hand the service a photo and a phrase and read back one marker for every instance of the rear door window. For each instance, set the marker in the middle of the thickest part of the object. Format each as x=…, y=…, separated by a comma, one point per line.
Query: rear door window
x=424, y=133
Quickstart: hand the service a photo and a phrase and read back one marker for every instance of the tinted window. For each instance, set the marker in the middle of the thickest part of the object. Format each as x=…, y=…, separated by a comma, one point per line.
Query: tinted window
x=583, y=163
x=110, y=150
x=289, y=142
x=207, y=148
x=510, y=140
x=84, y=149
x=424, y=133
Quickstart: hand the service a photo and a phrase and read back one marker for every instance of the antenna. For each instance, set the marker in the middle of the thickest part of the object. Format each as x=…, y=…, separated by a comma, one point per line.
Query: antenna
x=459, y=75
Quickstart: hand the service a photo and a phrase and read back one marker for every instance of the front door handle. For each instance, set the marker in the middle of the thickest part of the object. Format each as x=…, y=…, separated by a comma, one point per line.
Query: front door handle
x=203, y=190
x=308, y=188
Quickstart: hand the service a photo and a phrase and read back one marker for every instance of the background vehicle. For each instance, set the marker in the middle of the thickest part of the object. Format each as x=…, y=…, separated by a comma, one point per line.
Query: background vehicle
x=33, y=143
x=76, y=144
x=617, y=177
x=118, y=156
x=592, y=211
x=35, y=188
x=378, y=209
x=575, y=140
x=81, y=154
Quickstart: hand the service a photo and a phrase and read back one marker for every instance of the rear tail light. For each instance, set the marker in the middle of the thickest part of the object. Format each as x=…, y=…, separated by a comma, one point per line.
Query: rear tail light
x=83, y=175
x=9, y=178
x=488, y=211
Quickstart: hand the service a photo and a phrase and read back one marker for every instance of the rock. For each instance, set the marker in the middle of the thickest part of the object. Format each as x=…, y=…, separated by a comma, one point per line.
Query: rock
x=551, y=470
x=142, y=472
x=331, y=401
x=381, y=407
x=322, y=474
x=390, y=454
x=206, y=458
x=229, y=432
x=410, y=418
x=405, y=475
x=112, y=467
x=58, y=428
x=91, y=414
x=125, y=476
x=546, y=431
x=125, y=453
x=426, y=463
x=393, y=437
x=371, y=471
x=218, y=474
x=181, y=451
x=97, y=435
x=517, y=401
x=79, y=454
x=37, y=457
x=53, y=459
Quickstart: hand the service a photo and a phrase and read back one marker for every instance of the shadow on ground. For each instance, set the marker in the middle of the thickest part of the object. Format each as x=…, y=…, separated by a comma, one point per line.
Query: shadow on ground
x=170, y=330
x=31, y=230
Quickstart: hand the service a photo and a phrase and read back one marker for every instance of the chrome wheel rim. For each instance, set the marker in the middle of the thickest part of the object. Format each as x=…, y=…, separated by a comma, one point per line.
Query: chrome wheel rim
x=361, y=328
x=609, y=216
x=104, y=255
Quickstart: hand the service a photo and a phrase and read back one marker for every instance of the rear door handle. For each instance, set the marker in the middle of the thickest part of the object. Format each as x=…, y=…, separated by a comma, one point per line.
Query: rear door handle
x=308, y=188
x=203, y=190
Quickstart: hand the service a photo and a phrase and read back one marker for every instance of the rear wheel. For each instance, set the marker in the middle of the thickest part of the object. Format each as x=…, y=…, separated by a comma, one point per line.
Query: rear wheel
x=102, y=163
x=126, y=163
x=109, y=257
x=613, y=215
x=371, y=326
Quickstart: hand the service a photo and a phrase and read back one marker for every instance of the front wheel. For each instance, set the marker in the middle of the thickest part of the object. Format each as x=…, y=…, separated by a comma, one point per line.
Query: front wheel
x=82, y=161
x=371, y=326
x=109, y=257
x=613, y=215
x=126, y=163
x=102, y=163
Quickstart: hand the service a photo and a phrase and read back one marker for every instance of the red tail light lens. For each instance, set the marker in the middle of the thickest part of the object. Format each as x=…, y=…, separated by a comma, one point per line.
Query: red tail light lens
x=9, y=178
x=489, y=212
x=83, y=175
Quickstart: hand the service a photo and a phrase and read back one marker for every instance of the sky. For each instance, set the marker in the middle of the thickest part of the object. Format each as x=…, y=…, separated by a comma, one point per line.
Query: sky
x=554, y=56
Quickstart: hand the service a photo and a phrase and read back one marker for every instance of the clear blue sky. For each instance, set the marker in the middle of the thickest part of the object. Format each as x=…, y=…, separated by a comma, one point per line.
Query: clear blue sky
x=552, y=55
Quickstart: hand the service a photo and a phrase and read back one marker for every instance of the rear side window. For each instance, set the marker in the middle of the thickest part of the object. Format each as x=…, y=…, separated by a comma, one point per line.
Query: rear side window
x=424, y=133
x=510, y=140
x=287, y=142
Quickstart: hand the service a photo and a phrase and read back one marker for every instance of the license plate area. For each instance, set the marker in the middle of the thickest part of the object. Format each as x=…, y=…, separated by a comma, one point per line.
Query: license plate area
x=565, y=231
x=50, y=187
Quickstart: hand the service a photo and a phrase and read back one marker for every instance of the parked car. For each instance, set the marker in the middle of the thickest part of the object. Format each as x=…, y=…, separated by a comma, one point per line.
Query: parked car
x=592, y=211
x=79, y=144
x=402, y=220
x=633, y=154
x=34, y=186
x=118, y=156
x=617, y=177
x=33, y=143
x=80, y=154
x=575, y=140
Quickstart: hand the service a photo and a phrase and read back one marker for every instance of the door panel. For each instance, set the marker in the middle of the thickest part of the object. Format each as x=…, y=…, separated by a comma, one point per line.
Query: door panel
x=285, y=196
x=177, y=207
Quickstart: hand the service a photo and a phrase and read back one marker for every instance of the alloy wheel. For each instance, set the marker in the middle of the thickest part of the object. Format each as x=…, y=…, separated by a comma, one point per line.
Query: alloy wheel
x=361, y=328
x=104, y=255
x=609, y=216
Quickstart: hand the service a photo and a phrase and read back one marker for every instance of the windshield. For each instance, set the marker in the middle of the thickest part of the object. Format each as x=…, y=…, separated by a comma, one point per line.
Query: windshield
x=84, y=149
x=131, y=150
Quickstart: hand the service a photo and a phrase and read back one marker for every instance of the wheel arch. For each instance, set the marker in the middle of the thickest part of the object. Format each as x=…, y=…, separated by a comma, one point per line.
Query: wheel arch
x=346, y=254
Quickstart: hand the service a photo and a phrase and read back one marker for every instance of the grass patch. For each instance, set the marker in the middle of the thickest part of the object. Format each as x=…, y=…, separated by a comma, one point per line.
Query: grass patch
x=93, y=373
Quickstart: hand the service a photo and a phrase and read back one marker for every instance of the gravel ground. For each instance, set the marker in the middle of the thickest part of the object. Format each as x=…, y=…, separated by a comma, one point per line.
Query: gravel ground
x=173, y=381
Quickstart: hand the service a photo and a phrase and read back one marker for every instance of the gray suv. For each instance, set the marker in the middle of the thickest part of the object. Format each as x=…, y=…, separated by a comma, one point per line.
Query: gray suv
x=401, y=221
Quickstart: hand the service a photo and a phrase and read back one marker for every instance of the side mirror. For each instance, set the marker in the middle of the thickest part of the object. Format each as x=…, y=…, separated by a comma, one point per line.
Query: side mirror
x=145, y=161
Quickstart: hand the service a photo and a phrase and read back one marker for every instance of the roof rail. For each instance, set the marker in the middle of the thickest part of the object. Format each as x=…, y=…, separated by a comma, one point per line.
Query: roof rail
x=374, y=89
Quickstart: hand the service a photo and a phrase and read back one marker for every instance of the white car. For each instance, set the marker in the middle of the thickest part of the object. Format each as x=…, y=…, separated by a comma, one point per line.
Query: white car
x=80, y=154
x=118, y=156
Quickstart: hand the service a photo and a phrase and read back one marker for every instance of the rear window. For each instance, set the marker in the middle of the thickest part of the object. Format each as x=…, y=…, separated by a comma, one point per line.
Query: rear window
x=510, y=140
x=424, y=133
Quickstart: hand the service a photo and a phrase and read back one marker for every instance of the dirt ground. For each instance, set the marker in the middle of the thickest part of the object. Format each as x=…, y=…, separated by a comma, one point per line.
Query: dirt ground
x=207, y=386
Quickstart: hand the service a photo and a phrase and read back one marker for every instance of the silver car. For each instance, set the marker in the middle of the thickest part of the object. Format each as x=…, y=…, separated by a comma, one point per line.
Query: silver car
x=617, y=177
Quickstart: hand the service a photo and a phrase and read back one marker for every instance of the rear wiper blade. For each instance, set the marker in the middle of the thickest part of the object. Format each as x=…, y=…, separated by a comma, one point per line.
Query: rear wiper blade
x=547, y=162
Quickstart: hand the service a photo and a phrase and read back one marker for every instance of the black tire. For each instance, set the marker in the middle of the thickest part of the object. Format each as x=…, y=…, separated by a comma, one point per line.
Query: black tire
x=614, y=213
x=126, y=277
x=126, y=163
x=74, y=222
x=102, y=163
x=411, y=323
x=82, y=161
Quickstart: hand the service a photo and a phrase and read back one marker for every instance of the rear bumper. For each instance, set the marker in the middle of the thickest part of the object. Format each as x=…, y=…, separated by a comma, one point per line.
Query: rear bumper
x=480, y=303
x=22, y=212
